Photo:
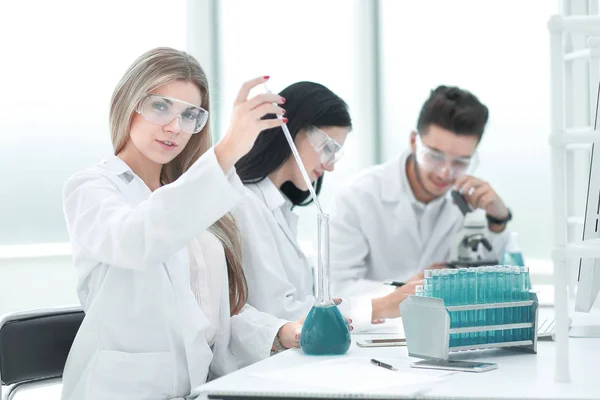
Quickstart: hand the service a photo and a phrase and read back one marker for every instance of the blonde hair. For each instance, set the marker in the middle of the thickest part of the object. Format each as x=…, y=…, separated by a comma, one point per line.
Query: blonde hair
x=151, y=70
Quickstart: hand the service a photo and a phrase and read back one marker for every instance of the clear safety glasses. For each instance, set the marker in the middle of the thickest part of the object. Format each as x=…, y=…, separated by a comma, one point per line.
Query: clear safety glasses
x=161, y=110
x=436, y=161
x=329, y=150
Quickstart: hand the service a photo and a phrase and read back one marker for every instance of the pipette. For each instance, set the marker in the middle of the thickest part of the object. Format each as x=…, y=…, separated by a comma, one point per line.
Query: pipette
x=288, y=136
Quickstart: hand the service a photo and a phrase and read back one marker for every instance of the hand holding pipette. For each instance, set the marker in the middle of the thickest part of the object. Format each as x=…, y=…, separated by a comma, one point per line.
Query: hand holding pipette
x=246, y=122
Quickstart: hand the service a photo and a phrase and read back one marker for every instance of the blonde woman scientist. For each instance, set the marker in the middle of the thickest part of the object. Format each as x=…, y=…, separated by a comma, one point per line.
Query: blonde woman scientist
x=155, y=250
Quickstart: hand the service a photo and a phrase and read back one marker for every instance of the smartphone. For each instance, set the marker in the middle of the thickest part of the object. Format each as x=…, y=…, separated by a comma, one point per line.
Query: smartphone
x=467, y=366
x=382, y=342
x=460, y=201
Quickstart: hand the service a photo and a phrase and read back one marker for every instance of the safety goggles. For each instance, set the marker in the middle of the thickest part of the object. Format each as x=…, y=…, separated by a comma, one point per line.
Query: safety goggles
x=329, y=150
x=162, y=110
x=436, y=161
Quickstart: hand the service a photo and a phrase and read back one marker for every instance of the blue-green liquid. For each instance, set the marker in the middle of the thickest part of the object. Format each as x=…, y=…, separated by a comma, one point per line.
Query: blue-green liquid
x=325, y=332
x=515, y=258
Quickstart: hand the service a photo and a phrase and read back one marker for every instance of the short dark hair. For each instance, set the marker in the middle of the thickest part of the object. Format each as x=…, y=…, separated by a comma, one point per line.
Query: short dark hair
x=307, y=105
x=454, y=109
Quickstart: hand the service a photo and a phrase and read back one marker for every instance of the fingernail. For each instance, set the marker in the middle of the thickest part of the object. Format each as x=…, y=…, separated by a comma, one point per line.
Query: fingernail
x=296, y=336
x=285, y=120
x=350, y=321
x=266, y=77
x=351, y=328
x=283, y=100
x=282, y=111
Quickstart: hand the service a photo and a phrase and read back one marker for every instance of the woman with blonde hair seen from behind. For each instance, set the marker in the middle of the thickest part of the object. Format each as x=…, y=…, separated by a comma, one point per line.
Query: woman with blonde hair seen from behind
x=155, y=250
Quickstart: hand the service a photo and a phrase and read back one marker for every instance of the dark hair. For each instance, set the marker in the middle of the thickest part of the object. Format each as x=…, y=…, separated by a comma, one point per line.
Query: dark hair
x=454, y=109
x=307, y=105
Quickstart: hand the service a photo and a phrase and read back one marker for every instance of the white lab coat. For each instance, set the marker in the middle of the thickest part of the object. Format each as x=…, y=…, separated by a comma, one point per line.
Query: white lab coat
x=380, y=231
x=143, y=336
x=280, y=278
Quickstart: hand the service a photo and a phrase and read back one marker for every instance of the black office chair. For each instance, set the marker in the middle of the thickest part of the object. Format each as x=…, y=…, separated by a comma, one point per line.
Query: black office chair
x=34, y=346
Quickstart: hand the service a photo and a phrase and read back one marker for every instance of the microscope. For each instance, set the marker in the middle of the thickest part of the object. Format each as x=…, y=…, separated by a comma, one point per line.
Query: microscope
x=471, y=247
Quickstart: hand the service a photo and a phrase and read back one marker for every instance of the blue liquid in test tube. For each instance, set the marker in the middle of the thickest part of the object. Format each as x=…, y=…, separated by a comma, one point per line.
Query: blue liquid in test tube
x=471, y=299
x=462, y=300
x=428, y=282
x=526, y=311
x=451, y=300
x=516, y=296
x=509, y=311
x=444, y=285
x=481, y=299
x=500, y=284
x=419, y=290
x=436, y=290
x=490, y=297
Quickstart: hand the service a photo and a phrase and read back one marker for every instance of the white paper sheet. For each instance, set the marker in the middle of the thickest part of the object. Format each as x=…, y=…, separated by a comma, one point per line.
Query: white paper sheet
x=351, y=374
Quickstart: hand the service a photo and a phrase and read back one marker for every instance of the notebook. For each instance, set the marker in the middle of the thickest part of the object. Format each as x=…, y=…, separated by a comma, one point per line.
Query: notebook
x=345, y=377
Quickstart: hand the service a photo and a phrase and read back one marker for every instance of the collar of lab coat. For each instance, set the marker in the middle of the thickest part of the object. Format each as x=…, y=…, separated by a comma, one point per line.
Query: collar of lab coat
x=274, y=199
x=117, y=166
x=395, y=172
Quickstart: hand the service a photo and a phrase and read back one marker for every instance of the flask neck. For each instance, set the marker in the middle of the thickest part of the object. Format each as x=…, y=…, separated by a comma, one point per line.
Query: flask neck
x=323, y=295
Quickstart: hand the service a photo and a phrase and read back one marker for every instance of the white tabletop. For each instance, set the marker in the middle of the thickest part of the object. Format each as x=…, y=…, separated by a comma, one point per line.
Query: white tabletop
x=519, y=375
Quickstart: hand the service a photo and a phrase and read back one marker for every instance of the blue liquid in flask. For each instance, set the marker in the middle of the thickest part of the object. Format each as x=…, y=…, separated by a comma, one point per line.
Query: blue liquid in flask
x=513, y=255
x=324, y=331
x=514, y=259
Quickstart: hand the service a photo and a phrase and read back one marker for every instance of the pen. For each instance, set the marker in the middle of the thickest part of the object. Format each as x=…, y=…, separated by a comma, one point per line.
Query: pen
x=394, y=283
x=383, y=365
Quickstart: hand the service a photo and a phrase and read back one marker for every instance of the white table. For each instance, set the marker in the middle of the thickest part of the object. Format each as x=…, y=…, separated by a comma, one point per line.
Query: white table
x=519, y=375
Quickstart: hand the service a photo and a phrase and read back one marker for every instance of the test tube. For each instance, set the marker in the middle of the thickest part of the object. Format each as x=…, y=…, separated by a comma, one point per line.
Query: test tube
x=516, y=296
x=428, y=289
x=481, y=299
x=419, y=290
x=436, y=290
x=471, y=299
x=526, y=311
x=462, y=300
x=451, y=300
x=490, y=297
x=509, y=311
x=500, y=284
x=445, y=289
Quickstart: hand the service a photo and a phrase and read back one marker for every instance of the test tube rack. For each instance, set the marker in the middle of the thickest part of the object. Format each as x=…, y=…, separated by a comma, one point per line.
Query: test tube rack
x=426, y=323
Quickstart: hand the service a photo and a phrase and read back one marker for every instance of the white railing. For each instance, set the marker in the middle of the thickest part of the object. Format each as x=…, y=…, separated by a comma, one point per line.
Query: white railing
x=41, y=250
x=562, y=139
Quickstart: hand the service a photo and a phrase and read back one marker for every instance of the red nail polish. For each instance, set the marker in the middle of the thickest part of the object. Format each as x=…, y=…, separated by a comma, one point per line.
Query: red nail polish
x=285, y=120
x=266, y=77
x=282, y=111
x=283, y=100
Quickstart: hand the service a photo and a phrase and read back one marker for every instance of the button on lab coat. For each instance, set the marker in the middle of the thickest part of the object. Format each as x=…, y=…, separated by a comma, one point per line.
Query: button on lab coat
x=143, y=336
x=280, y=278
x=380, y=231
